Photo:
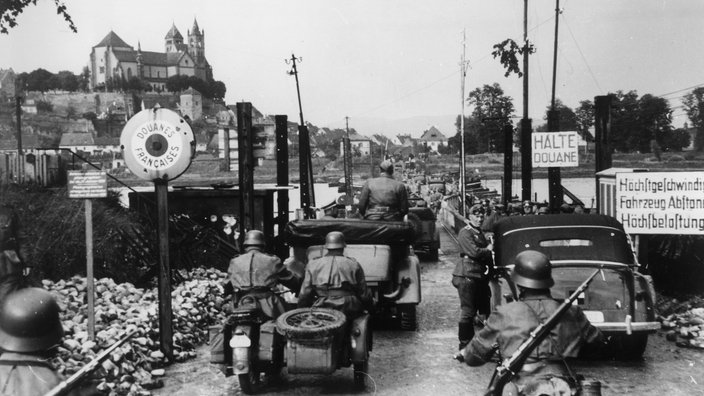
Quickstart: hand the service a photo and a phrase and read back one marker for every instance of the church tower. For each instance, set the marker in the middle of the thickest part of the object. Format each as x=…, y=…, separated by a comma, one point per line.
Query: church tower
x=196, y=43
x=173, y=40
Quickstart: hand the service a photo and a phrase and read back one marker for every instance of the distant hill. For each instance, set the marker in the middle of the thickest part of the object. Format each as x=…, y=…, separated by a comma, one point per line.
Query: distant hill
x=415, y=126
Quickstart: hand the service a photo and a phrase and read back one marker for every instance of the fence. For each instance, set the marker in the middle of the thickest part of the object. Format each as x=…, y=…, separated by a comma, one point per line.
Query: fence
x=36, y=167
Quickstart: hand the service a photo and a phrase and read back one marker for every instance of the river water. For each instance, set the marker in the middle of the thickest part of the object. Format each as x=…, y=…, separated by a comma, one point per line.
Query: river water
x=584, y=188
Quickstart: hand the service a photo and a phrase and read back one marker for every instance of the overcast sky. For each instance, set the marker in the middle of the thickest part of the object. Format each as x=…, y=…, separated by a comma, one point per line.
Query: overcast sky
x=378, y=60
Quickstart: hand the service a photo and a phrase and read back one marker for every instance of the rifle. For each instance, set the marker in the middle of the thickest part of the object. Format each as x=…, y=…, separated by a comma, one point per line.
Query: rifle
x=508, y=368
x=66, y=385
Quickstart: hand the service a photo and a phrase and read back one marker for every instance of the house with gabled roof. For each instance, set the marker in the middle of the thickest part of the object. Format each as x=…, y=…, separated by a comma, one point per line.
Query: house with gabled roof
x=433, y=138
x=358, y=143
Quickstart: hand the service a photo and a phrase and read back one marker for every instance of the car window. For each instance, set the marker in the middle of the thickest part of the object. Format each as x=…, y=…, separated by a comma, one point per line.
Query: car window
x=566, y=242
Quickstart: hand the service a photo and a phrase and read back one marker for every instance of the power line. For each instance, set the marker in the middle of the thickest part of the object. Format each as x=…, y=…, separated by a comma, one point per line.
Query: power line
x=564, y=18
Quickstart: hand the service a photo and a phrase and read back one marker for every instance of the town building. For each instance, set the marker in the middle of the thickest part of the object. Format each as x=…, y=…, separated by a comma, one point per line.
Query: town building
x=360, y=145
x=433, y=139
x=114, y=59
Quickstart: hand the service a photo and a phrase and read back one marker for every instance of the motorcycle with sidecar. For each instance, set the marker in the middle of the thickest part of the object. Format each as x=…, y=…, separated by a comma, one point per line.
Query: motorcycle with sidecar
x=304, y=340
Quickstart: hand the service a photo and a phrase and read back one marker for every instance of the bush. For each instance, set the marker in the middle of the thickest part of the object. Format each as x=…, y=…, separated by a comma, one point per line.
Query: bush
x=44, y=106
x=675, y=158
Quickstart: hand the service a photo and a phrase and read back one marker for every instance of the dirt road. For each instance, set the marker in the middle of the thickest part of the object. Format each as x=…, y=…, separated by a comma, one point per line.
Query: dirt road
x=419, y=362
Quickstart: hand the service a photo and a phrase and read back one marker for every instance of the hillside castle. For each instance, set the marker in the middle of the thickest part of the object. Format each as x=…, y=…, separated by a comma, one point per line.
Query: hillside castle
x=113, y=58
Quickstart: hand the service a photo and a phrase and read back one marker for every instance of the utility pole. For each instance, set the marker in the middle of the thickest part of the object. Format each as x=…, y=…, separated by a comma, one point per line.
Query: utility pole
x=464, y=65
x=526, y=149
x=347, y=155
x=20, y=154
x=555, y=192
x=306, y=166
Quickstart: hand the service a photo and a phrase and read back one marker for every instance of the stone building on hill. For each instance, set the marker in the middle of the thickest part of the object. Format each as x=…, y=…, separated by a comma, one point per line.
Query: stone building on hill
x=114, y=58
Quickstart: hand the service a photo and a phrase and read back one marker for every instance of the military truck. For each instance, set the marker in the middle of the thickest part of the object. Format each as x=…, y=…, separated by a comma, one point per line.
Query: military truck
x=384, y=249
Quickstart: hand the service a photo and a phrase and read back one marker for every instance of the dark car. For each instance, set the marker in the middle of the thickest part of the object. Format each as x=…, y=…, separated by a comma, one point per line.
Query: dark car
x=620, y=301
x=427, y=233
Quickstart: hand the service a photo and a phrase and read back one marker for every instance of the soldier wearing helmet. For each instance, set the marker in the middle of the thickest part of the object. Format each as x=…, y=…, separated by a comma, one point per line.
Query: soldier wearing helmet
x=254, y=274
x=511, y=324
x=30, y=330
x=335, y=281
x=383, y=198
x=470, y=276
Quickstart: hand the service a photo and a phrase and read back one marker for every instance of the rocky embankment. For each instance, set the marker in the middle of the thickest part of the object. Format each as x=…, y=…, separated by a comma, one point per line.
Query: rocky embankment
x=135, y=367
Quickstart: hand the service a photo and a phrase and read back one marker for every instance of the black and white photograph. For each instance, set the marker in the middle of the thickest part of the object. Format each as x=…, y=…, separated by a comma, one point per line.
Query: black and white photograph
x=336, y=197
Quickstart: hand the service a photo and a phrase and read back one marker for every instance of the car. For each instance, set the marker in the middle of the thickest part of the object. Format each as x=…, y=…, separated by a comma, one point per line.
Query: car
x=427, y=234
x=620, y=301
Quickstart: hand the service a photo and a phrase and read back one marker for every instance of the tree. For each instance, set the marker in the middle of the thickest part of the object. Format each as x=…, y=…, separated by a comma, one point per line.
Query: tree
x=584, y=117
x=39, y=80
x=655, y=122
x=677, y=140
x=12, y=8
x=693, y=103
x=624, y=119
x=508, y=52
x=492, y=110
x=137, y=84
x=67, y=81
x=84, y=79
x=217, y=90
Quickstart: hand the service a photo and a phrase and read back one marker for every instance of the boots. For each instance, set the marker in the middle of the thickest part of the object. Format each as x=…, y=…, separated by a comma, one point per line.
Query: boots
x=465, y=333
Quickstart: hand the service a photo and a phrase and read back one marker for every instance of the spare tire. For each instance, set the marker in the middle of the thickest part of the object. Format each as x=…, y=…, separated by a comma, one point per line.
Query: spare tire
x=310, y=322
x=417, y=224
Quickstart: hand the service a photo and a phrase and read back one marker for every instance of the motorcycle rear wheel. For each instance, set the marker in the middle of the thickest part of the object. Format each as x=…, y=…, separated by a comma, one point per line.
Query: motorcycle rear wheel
x=249, y=382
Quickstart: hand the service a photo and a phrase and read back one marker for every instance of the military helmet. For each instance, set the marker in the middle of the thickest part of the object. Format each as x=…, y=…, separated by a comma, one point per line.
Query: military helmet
x=29, y=321
x=254, y=238
x=335, y=240
x=532, y=270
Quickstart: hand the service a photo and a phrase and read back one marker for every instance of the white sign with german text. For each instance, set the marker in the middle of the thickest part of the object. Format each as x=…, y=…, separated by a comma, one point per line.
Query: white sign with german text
x=555, y=149
x=660, y=202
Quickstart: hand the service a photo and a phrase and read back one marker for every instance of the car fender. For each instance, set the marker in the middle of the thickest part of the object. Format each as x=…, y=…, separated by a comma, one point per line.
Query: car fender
x=360, y=339
x=408, y=271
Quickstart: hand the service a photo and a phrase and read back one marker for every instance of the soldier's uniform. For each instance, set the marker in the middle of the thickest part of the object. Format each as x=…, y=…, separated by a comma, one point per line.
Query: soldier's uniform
x=335, y=281
x=29, y=329
x=12, y=252
x=470, y=277
x=545, y=370
x=511, y=324
x=254, y=274
x=383, y=197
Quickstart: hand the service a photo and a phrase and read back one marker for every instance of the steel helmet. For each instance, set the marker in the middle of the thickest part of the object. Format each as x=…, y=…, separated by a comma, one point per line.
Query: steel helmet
x=386, y=166
x=335, y=240
x=532, y=270
x=29, y=321
x=254, y=238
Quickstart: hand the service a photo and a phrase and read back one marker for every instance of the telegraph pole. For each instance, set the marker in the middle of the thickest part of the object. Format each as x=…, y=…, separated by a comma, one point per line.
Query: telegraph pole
x=464, y=64
x=555, y=192
x=347, y=153
x=20, y=154
x=526, y=149
x=306, y=166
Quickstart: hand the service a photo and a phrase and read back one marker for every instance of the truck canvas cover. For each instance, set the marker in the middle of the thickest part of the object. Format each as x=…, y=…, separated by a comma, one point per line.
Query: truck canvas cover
x=356, y=231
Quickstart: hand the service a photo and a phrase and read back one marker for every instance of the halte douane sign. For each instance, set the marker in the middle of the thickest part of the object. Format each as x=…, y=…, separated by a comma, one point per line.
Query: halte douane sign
x=87, y=184
x=157, y=144
x=661, y=203
x=555, y=149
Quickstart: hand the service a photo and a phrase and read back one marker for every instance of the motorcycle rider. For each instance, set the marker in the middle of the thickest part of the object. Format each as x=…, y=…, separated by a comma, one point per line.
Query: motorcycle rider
x=335, y=281
x=254, y=274
x=545, y=371
x=383, y=197
x=30, y=330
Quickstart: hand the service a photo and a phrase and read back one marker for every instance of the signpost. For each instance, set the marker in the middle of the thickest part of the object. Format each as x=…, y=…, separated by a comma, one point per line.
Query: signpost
x=555, y=149
x=158, y=145
x=88, y=185
x=661, y=202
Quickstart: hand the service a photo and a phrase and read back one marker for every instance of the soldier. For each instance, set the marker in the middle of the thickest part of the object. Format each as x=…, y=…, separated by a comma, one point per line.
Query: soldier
x=254, y=274
x=384, y=198
x=13, y=273
x=545, y=372
x=30, y=330
x=470, y=276
x=335, y=281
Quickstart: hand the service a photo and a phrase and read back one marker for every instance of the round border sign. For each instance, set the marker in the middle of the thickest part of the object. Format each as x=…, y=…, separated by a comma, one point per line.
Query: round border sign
x=157, y=144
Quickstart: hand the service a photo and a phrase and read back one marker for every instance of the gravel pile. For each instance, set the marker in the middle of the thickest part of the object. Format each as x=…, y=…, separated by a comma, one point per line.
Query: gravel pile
x=135, y=367
x=683, y=321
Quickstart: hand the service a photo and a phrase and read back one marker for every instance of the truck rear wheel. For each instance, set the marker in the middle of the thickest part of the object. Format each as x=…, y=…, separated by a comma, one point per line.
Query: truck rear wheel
x=407, y=316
